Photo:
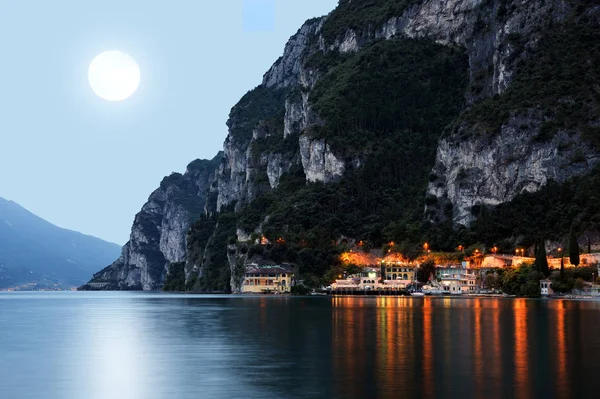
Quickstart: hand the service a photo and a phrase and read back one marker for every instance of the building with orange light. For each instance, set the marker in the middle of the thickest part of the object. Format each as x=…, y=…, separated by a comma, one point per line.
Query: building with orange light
x=366, y=280
x=398, y=271
x=369, y=279
x=272, y=279
x=457, y=280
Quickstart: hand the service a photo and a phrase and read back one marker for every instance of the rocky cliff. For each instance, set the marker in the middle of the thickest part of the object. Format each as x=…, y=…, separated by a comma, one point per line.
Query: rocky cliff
x=496, y=35
x=375, y=112
x=541, y=126
x=159, y=232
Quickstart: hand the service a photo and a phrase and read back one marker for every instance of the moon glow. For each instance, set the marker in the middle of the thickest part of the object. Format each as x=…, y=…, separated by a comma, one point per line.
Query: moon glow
x=114, y=76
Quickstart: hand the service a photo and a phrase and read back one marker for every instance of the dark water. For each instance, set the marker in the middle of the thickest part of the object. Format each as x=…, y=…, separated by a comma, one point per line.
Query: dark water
x=89, y=345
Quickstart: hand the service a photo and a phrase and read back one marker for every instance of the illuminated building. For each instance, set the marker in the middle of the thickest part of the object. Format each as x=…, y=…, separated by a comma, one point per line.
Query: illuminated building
x=456, y=280
x=267, y=279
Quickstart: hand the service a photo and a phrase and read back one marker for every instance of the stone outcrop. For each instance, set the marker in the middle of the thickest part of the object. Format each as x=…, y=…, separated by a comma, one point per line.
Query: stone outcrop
x=492, y=171
x=159, y=231
x=319, y=162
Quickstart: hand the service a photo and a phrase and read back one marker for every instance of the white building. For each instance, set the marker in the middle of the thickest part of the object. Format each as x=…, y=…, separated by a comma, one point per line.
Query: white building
x=546, y=287
x=456, y=280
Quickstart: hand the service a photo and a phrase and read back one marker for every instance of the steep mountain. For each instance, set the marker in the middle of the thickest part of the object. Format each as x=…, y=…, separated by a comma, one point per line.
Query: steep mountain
x=406, y=120
x=35, y=254
x=158, y=235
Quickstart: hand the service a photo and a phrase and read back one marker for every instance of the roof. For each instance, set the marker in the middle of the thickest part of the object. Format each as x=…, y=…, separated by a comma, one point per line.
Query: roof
x=267, y=269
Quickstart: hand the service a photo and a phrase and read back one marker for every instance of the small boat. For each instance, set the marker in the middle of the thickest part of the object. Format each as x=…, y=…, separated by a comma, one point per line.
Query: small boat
x=429, y=290
x=418, y=294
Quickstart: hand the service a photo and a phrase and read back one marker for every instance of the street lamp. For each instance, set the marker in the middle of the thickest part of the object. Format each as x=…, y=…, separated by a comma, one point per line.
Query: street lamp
x=520, y=251
x=495, y=250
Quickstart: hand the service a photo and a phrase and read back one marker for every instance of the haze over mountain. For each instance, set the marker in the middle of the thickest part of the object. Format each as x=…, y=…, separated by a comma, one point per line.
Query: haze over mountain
x=35, y=254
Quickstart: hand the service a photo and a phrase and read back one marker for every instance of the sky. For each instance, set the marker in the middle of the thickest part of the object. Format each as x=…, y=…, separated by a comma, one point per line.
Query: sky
x=89, y=165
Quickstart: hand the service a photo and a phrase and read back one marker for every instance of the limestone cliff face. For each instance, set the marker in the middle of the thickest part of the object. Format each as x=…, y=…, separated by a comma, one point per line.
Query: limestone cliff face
x=485, y=28
x=493, y=171
x=474, y=167
x=319, y=162
x=158, y=235
x=247, y=163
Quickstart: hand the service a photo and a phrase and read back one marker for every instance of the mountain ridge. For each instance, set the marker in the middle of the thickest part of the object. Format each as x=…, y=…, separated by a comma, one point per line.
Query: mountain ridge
x=35, y=253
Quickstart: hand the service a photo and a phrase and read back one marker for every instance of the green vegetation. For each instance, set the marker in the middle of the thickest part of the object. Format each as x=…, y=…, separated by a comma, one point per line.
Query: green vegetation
x=175, y=280
x=573, y=248
x=216, y=271
x=569, y=279
x=426, y=270
x=551, y=212
x=558, y=80
x=522, y=281
x=198, y=237
x=299, y=290
x=362, y=14
x=541, y=260
x=260, y=104
x=404, y=91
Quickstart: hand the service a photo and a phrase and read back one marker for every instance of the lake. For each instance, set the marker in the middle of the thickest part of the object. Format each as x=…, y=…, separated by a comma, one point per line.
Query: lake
x=136, y=345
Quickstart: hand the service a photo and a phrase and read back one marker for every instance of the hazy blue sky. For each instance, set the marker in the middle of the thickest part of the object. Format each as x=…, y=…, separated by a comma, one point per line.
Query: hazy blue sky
x=89, y=165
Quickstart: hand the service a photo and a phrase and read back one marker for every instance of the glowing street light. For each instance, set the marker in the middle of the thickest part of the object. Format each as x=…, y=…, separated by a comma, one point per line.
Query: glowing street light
x=495, y=250
x=520, y=251
x=426, y=246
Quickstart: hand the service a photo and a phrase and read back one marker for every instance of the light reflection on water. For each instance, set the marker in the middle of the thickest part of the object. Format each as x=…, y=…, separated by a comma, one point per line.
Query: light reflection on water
x=132, y=345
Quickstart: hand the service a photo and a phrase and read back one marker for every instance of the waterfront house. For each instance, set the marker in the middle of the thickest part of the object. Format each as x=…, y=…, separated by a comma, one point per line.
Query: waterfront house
x=271, y=279
x=366, y=280
x=456, y=280
x=369, y=279
x=546, y=287
x=398, y=271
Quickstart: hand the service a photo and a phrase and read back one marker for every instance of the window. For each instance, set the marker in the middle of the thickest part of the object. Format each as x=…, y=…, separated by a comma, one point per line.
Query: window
x=283, y=275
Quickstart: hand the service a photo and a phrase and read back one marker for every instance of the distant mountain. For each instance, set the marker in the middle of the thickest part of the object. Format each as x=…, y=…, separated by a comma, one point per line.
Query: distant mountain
x=35, y=254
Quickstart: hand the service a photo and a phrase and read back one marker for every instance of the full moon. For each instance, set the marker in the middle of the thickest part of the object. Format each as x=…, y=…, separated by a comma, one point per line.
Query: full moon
x=114, y=76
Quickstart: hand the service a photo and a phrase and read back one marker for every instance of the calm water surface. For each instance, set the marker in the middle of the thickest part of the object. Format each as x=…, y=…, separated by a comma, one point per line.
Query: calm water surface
x=132, y=345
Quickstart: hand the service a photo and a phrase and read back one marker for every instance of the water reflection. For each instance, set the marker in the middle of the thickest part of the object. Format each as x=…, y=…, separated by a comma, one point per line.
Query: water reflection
x=520, y=347
x=562, y=384
x=157, y=346
x=428, y=356
x=447, y=347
